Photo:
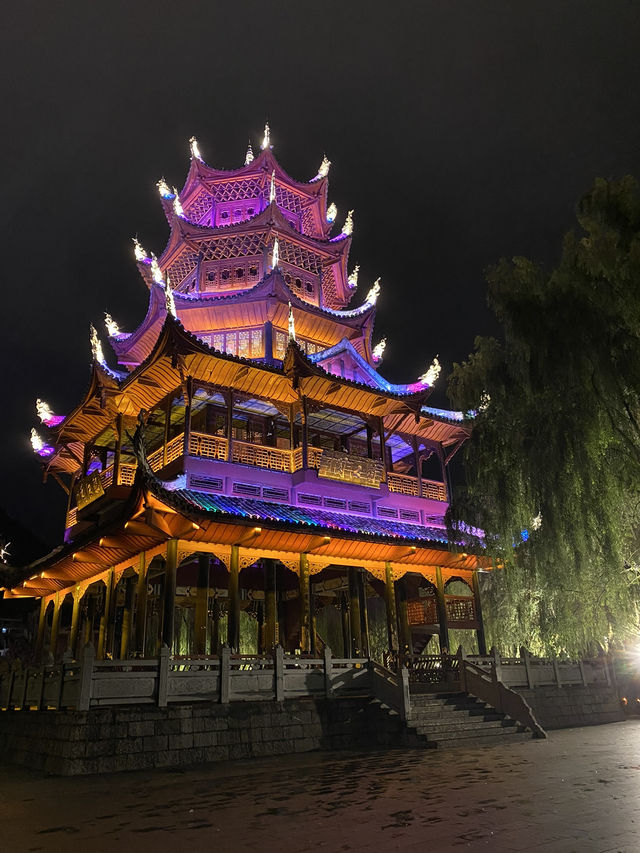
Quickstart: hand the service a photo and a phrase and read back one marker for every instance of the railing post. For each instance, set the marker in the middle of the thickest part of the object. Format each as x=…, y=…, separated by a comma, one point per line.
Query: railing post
x=405, y=692
x=497, y=663
x=583, y=674
x=86, y=677
x=278, y=659
x=328, y=685
x=225, y=674
x=526, y=657
x=461, y=669
x=67, y=657
x=163, y=676
x=556, y=673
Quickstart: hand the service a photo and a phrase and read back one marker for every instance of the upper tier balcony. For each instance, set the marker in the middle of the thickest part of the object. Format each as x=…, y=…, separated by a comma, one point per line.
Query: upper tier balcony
x=335, y=480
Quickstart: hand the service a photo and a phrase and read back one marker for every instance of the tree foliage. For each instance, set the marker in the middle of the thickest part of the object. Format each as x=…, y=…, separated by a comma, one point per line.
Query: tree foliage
x=557, y=434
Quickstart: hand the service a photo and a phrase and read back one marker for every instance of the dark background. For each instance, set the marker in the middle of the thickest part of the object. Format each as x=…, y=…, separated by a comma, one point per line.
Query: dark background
x=459, y=132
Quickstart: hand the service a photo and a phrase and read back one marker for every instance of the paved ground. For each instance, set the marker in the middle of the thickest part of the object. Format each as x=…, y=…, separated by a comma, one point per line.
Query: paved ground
x=577, y=791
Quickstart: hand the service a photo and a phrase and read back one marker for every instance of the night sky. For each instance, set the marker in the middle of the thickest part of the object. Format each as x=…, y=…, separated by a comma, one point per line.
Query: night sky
x=459, y=132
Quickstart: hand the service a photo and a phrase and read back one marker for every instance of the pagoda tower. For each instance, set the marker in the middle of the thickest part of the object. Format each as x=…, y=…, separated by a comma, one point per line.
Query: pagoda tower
x=244, y=474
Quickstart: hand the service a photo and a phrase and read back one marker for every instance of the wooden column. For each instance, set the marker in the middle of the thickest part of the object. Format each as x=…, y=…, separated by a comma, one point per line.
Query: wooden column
x=230, y=427
x=110, y=608
x=268, y=342
x=406, y=644
x=233, y=629
x=392, y=612
x=418, y=463
x=305, y=605
x=369, y=442
x=214, y=646
x=171, y=570
x=482, y=642
x=127, y=615
x=442, y=611
x=383, y=448
x=87, y=625
x=41, y=626
x=305, y=435
x=104, y=623
x=55, y=625
x=117, y=454
x=187, y=416
x=270, y=605
x=346, y=633
x=354, y=612
x=202, y=605
x=167, y=427
x=364, y=614
x=75, y=615
x=141, y=606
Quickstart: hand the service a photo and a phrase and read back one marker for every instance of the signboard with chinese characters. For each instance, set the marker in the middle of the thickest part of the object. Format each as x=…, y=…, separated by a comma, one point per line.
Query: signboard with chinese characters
x=351, y=469
x=89, y=489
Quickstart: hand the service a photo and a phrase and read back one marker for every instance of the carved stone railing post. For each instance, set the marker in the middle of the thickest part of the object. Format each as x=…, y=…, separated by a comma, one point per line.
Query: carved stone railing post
x=278, y=659
x=225, y=674
x=163, y=676
x=328, y=686
x=86, y=677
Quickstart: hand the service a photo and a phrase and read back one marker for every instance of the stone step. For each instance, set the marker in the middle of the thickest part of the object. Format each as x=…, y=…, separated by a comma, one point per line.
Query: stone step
x=450, y=711
x=479, y=734
x=462, y=720
x=464, y=726
x=513, y=736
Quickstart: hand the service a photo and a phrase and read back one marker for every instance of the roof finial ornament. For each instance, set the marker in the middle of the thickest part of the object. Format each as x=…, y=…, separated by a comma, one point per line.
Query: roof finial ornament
x=332, y=212
x=352, y=281
x=163, y=188
x=372, y=296
x=292, y=325
x=249, y=155
x=275, y=257
x=323, y=171
x=36, y=441
x=139, y=252
x=113, y=330
x=378, y=350
x=347, y=228
x=43, y=410
x=266, y=142
x=272, y=187
x=156, y=272
x=169, y=301
x=429, y=378
x=195, y=151
x=177, y=207
x=96, y=345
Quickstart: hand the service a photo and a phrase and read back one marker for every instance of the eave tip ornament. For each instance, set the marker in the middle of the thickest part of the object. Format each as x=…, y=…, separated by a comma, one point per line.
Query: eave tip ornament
x=177, y=207
x=43, y=410
x=169, y=301
x=292, y=325
x=195, y=151
x=39, y=446
x=378, y=350
x=156, y=272
x=163, y=189
x=332, y=212
x=352, y=281
x=139, y=252
x=347, y=228
x=266, y=140
x=429, y=378
x=113, y=330
x=372, y=296
x=96, y=345
x=275, y=257
x=323, y=171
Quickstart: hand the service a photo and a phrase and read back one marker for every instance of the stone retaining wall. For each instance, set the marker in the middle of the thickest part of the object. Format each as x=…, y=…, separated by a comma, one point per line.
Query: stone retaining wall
x=566, y=707
x=104, y=740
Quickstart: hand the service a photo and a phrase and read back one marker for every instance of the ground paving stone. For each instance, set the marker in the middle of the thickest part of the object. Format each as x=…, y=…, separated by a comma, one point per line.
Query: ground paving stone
x=579, y=790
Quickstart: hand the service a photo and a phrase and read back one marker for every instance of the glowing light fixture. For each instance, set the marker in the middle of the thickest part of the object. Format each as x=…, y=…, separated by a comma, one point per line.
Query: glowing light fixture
x=112, y=327
x=378, y=350
x=266, y=141
x=139, y=252
x=536, y=522
x=195, y=151
x=347, y=228
x=163, y=188
x=429, y=378
x=353, y=277
x=272, y=188
x=96, y=345
x=177, y=207
x=332, y=212
x=249, y=155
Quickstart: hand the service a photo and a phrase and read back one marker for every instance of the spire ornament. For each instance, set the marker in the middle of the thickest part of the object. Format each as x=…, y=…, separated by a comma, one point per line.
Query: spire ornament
x=292, y=325
x=195, y=151
x=96, y=346
x=332, y=212
x=347, y=228
x=429, y=378
x=272, y=187
x=249, y=155
x=266, y=141
x=275, y=257
x=139, y=252
x=163, y=188
x=113, y=330
x=352, y=281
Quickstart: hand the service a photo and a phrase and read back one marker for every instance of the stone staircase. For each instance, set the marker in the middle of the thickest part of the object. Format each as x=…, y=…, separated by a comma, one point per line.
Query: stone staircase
x=457, y=719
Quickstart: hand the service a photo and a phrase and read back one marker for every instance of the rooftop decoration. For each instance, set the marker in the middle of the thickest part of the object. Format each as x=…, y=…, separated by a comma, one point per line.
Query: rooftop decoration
x=372, y=296
x=266, y=141
x=378, y=350
x=156, y=272
x=4, y=551
x=195, y=151
x=347, y=228
x=275, y=257
x=39, y=446
x=112, y=327
x=163, y=189
x=249, y=155
x=45, y=414
x=429, y=378
x=177, y=207
x=169, y=301
x=323, y=171
x=139, y=252
x=353, y=277
x=292, y=325
x=272, y=187
x=332, y=212
x=96, y=346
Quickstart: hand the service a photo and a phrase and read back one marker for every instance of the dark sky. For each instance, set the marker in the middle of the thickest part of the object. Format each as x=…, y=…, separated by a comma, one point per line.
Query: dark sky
x=459, y=132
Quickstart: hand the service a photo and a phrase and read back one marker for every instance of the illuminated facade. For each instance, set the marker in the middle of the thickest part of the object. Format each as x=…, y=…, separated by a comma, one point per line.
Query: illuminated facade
x=279, y=490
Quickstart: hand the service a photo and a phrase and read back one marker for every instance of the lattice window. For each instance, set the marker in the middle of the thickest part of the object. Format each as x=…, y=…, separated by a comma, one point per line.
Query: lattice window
x=218, y=342
x=240, y=246
x=280, y=345
x=257, y=346
x=288, y=200
x=182, y=267
x=300, y=257
x=244, y=343
x=199, y=209
x=235, y=190
x=248, y=343
x=329, y=293
x=308, y=222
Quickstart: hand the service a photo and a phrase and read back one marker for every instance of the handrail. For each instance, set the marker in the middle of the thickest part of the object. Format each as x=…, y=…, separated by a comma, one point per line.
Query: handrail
x=489, y=689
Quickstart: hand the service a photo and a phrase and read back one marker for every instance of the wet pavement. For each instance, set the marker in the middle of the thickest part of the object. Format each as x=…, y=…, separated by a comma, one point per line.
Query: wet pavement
x=579, y=790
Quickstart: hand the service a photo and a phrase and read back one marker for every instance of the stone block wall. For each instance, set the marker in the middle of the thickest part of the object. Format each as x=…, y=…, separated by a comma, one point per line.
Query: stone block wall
x=566, y=707
x=104, y=740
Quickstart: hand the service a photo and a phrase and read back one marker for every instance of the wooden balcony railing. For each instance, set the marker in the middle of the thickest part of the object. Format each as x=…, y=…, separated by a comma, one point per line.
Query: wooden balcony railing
x=261, y=457
x=208, y=446
x=405, y=485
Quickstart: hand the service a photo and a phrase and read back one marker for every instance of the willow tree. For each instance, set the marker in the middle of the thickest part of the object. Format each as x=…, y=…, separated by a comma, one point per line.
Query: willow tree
x=553, y=464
